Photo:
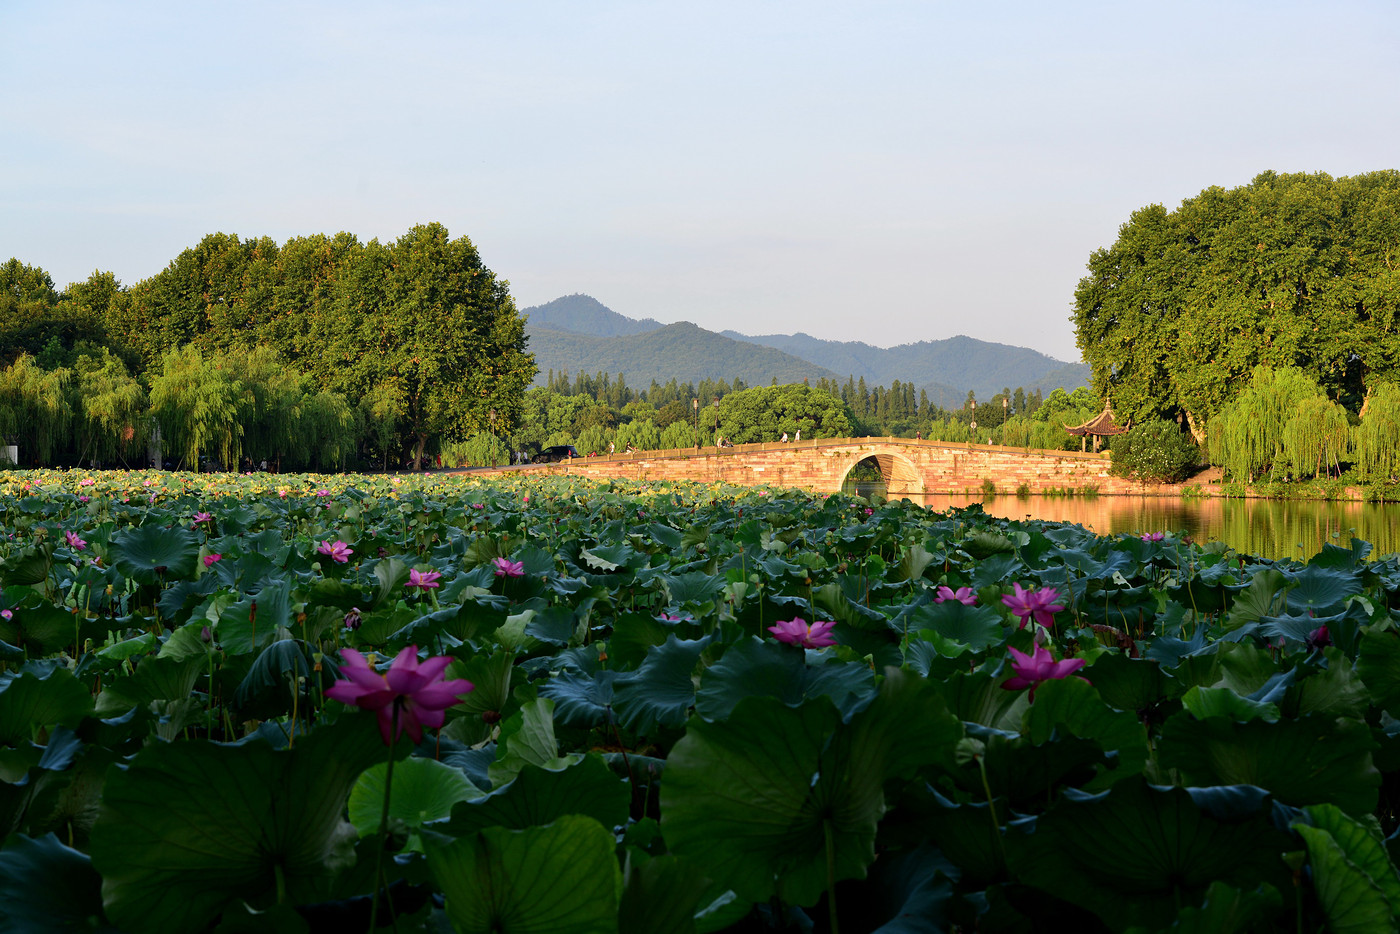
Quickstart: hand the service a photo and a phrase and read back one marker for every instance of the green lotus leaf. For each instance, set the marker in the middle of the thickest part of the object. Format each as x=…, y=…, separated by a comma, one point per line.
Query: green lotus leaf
x=1335, y=689
x=907, y=893
x=1315, y=759
x=581, y=699
x=1228, y=910
x=1129, y=683
x=1378, y=664
x=1318, y=589
x=1072, y=707
x=1137, y=852
x=527, y=738
x=152, y=554
x=538, y=796
x=490, y=676
x=155, y=679
x=754, y=800
x=659, y=893
x=975, y=626
x=1355, y=880
x=30, y=567
x=41, y=698
x=42, y=628
x=423, y=791
x=977, y=697
x=255, y=620
x=560, y=879
x=660, y=692
x=1352, y=900
x=755, y=667
x=1223, y=702
x=46, y=886
x=228, y=823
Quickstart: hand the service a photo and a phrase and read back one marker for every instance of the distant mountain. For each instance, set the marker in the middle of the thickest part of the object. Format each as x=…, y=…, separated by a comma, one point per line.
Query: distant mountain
x=947, y=368
x=583, y=314
x=578, y=333
x=681, y=351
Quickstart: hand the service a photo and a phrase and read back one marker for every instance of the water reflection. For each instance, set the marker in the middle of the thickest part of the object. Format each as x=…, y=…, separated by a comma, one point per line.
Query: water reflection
x=1271, y=528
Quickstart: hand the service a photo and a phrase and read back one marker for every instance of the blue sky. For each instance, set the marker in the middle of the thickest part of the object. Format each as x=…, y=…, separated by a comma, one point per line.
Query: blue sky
x=885, y=172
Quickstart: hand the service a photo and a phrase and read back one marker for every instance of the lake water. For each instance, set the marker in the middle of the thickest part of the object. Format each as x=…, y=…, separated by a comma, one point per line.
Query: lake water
x=1271, y=528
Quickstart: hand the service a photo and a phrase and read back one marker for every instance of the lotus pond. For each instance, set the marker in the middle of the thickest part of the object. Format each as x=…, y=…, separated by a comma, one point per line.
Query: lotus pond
x=433, y=703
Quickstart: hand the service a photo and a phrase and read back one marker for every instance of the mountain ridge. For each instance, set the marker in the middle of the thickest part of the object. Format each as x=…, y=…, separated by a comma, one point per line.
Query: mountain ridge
x=578, y=333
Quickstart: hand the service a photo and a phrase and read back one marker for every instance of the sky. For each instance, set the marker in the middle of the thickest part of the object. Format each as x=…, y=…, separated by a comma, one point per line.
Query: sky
x=886, y=172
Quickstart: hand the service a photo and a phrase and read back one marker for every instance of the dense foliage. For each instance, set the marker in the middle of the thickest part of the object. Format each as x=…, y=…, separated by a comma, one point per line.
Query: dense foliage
x=988, y=725
x=591, y=412
x=1287, y=271
x=1154, y=452
x=417, y=334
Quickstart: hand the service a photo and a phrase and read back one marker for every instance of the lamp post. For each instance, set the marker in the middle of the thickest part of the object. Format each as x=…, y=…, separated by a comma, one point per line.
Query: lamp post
x=695, y=407
x=716, y=421
x=492, y=415
x=1005, y=414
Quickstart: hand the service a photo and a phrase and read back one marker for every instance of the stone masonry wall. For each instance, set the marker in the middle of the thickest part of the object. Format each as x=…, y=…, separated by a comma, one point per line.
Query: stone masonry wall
x=909, y=467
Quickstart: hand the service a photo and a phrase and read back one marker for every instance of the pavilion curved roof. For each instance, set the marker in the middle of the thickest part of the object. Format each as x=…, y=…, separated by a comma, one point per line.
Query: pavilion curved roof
x=1102, y=424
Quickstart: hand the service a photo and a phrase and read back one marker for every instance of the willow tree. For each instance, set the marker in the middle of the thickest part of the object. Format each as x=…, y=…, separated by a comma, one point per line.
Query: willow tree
x=1247, y=436
x=35, y=408
x=115, y=412
x=328, y=430
x=1376, y=440
x=198, y=405
x=1316, y=438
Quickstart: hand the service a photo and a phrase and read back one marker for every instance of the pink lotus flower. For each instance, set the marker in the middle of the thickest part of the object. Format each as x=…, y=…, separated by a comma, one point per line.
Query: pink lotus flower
x=674, y=619
x=1319, y=637
x=337, y=551
x=797, y=631
x=1153, y=536
x=1033, y=670
x=86, y=481
x=352, y=619
x=74, y=542
x=210, y=559
x=508, y=568
x=406, y=698
x=84, y=499
x=478, y=505
x=282, y=492
x=7, y=614
x=1037, y=603
x=422, y=580
x=201, y=517
x=963, y=595
x=323, y=493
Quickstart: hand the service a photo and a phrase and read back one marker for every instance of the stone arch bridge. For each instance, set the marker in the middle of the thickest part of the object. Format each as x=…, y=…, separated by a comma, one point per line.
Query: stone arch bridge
x=909, y=467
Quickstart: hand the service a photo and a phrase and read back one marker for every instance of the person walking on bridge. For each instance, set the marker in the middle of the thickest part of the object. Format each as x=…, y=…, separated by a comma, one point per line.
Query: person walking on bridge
x=798, y=436
x=783, y=439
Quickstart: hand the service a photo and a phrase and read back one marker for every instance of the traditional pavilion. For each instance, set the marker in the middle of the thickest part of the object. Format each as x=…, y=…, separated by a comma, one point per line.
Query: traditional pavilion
x=1102, y=425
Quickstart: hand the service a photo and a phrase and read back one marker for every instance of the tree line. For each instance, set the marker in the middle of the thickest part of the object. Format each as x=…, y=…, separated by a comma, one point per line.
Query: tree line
x=596, y=412
x=322, y=351
x=1296, y=271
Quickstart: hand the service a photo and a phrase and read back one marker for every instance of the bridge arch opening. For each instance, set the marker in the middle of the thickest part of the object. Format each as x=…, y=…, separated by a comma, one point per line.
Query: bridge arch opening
x=899, y=474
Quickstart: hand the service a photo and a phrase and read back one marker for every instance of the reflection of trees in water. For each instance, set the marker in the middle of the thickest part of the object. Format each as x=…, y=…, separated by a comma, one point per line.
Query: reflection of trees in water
x=1271, y=528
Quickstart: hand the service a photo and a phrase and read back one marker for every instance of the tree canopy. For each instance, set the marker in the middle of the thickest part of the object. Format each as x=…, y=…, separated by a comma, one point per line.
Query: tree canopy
x=1291, y=270
x=418, y=332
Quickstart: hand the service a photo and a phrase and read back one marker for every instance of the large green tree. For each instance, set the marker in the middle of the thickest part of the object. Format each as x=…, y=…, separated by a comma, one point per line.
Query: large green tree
x=1290, y=270
x=425, y=317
